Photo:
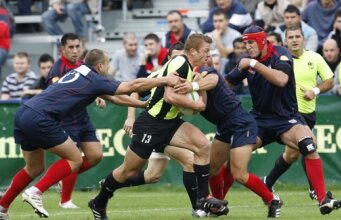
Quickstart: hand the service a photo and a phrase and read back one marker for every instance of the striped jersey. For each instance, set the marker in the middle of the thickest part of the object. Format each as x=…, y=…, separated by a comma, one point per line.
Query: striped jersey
x=157, y=107
x=14, y=88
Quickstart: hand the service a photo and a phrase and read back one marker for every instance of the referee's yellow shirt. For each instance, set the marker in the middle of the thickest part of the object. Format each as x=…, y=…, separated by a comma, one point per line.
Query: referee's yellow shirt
x=307, y=68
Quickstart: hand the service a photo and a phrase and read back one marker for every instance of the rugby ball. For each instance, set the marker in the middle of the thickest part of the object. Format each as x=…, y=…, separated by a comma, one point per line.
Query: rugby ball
x=194, y=96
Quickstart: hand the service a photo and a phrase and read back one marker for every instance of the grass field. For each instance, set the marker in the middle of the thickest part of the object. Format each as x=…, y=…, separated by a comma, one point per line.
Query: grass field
x=168, y=203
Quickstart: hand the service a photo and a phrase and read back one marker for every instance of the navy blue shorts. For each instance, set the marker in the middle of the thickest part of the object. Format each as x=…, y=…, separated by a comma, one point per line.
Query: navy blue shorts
x=270, y=129
x=81, y=132
x=152, y=134
x=33, y=130
x=238, y=130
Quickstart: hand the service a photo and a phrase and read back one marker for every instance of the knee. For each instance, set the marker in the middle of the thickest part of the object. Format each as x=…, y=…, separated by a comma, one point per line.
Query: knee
x=203, y=148
x=239, y=175
x=187, y=161
x=152, y=178
x=214, y=170
x=291, y=156
x=307, y=146
x=94, y=158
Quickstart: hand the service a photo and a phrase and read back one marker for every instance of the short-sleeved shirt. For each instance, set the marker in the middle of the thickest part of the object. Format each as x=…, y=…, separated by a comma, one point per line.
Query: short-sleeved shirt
x=157, y=107
x=75, y=90
x=126, y=66
x=14, y=88
x=268, y=99
x=307, y=68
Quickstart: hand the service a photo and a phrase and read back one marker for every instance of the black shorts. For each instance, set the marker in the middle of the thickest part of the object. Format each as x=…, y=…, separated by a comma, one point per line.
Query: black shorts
x=310, y=119
x=150, y=134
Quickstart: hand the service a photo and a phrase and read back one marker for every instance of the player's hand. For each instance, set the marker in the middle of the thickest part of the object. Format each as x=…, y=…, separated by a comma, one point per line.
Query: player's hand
x=100, y=102
x=183, y=88
x=244, y=64
x=173, y=79
x=128, y=126
x=59, y=8
x=308, y=94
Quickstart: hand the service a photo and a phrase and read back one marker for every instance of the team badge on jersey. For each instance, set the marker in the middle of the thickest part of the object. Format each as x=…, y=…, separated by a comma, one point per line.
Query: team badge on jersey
x=293, y=121
x=284, y=58
x=69, y=77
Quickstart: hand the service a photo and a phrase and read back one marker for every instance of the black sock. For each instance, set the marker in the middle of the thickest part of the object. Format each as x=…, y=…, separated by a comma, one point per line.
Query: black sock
x=202, y=173
x=191, y=185
x=107, y=191
x=135, y=181
x=280, y=167
x=303, y=164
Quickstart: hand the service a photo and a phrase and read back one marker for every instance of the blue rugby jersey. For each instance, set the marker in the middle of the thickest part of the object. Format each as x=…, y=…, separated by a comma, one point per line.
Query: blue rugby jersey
x=270, y=100
x=75, y=90
x=221, y=100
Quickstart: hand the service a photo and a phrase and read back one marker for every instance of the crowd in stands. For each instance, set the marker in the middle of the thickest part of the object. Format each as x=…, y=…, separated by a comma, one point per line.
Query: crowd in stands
x=320, y=21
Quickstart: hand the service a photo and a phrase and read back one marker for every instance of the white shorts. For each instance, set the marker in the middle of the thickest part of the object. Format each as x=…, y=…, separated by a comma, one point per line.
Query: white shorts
x=158, y=155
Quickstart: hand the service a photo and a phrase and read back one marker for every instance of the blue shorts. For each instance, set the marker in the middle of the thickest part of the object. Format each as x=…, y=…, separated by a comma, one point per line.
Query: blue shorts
x=271, y=128
x=239, y=129
x=81, y=132
x=33, y=130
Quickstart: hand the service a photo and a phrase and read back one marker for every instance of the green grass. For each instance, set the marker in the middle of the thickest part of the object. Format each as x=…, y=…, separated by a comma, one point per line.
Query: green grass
x=162, y=202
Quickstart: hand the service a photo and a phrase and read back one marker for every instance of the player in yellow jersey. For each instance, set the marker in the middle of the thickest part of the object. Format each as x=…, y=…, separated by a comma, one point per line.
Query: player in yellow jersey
x=308, y=67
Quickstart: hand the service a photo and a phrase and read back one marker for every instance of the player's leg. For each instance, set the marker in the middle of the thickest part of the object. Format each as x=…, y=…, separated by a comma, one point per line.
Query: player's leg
x=219, y=155
x=282, y=164
x=157, y=164
x=35, y=165
x=185, y=158
x=189, y=137
x=116, y=179
x=301, y=137
x=70, y=162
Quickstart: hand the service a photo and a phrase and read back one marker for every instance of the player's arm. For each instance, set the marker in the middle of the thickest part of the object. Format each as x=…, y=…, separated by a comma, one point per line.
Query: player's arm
x=278, y=77
x=204, y=83
x=145, y=84
x=125, y=100
x=129, y=122
x=171, y=97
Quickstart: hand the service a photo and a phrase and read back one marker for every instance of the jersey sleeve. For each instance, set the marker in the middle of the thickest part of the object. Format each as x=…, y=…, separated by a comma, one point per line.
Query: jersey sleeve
x=235, y=76
x=323, y=69
x=106, y=86
x=53, y=73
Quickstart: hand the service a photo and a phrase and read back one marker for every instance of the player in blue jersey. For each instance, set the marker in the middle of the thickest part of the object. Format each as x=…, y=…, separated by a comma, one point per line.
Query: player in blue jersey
x=270, y=75
x=161, y=125
x=38, y=127
x=235, y=136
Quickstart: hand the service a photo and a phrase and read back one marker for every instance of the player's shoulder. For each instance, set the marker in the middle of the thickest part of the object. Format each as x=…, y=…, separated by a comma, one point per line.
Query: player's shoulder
x=282, y=53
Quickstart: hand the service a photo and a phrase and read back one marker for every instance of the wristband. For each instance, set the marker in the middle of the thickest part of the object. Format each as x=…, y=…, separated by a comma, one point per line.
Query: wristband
x=316, y=91
x=253, y=63
x=195, y=86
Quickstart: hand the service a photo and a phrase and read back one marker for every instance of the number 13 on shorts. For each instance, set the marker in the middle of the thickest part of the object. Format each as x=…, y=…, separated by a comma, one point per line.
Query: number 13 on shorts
x=146, y=138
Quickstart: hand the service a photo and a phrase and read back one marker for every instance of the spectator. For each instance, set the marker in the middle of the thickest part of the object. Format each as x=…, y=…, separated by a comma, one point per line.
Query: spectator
x=336, y=33
x=319, y=15
x=154, y=55
x=23, y=78
x=178, y=31
x=125, y=63
x=331, y=53
x=222, y=35
x=275, y=39
x=6, y=32
x=292, y=17
x=271, y=12
x=337, y=81
x=239, y=51
x=300, y=4
x=240, y=18
x=75, y=9
x=45, y=63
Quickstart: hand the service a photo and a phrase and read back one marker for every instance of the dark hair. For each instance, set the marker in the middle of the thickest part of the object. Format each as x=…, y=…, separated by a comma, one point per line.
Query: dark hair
x=94, y=57
x=292, y=9
x=69, y=36
x=177, y=46
x=153, y=37
x=45, y=58
x=237, y=40
x=294, y=28
x=277, y=36
x=174, y=12
x=221, y=12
